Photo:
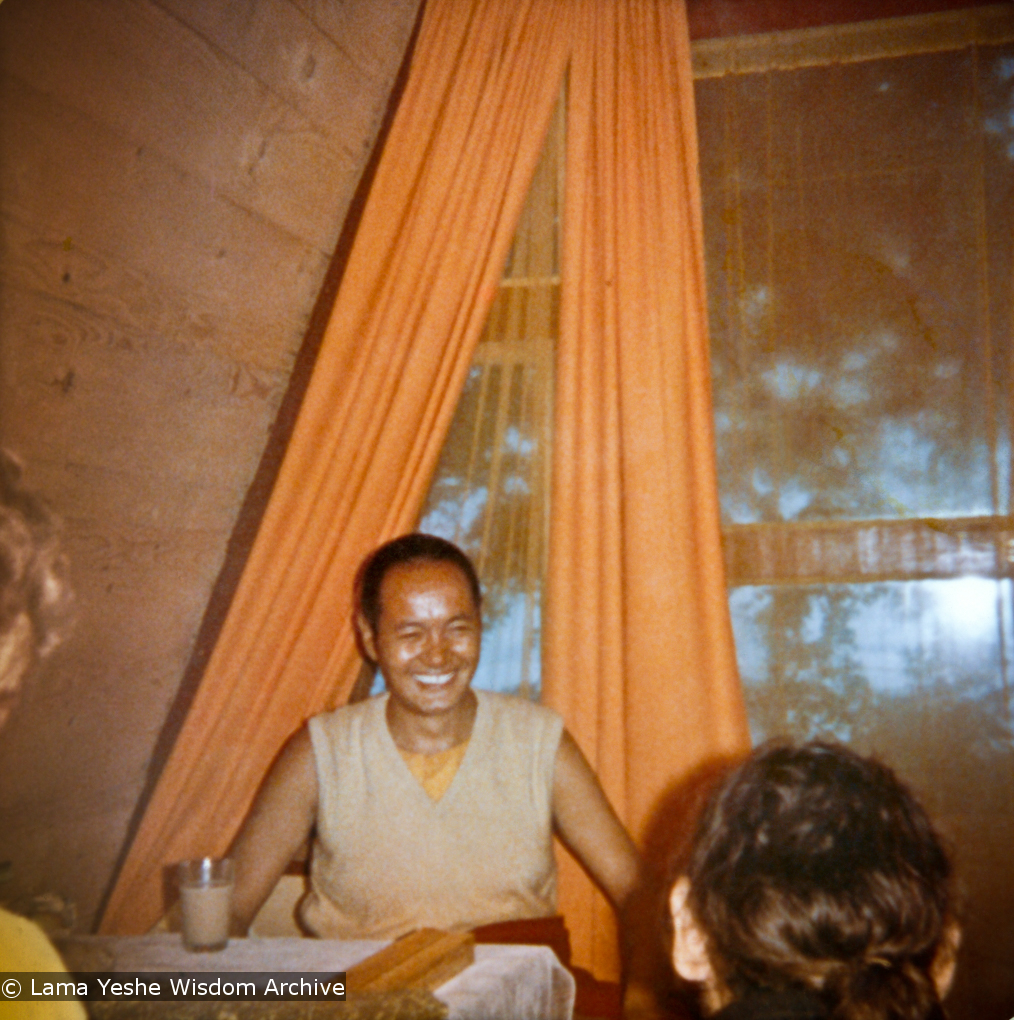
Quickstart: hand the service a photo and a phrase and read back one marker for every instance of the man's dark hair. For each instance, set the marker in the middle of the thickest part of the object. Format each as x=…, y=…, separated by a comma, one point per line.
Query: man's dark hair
x=814, y=867
x=410, y=549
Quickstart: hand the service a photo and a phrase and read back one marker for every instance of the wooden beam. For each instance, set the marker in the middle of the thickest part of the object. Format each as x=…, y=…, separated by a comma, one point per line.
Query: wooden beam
x=822, y=44
x=843, y=552
x=711, y=19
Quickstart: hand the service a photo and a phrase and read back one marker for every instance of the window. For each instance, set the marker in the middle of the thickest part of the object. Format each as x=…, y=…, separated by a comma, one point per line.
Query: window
x=490, y=492
x=857, y=188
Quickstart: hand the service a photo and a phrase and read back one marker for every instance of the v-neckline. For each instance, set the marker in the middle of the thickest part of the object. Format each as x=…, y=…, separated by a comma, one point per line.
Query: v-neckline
x=393, y=751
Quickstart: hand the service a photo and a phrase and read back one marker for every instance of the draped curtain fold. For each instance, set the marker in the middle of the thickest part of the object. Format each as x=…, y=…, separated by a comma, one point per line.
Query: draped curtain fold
x=637, y=642
x=420, y=278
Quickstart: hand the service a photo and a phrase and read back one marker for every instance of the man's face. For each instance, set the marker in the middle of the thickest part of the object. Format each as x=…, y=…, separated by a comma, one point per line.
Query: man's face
x=428, y=636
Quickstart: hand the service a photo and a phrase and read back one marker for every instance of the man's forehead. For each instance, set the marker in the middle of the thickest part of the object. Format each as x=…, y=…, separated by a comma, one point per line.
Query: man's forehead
x=420, y=579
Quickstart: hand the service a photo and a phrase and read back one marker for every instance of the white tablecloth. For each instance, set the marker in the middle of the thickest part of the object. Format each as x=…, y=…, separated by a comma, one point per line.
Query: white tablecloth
x=521, y=982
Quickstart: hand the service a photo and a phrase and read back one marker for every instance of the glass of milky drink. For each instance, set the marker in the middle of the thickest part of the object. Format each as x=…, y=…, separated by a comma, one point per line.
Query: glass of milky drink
x=205, y=895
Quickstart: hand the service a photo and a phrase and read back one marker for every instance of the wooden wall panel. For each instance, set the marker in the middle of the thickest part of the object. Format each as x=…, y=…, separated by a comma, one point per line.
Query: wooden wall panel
x=211, y=273
x=204, y=113
x=282, y=47
x=174, y=176
x=369, y=31
x=111, y=396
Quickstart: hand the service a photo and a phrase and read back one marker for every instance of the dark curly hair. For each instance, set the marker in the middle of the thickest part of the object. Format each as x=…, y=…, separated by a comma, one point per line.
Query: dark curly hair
x=409, y=549
x=814, y=867
x=33, y=568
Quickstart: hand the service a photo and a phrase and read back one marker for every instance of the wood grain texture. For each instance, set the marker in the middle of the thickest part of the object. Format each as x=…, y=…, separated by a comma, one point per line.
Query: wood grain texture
x=122, y=402
x=424, y=959
x=198, y=268
x=173, y=179
x=283, y=48
x=372, y=32
x=205, y=113
x=711, y=19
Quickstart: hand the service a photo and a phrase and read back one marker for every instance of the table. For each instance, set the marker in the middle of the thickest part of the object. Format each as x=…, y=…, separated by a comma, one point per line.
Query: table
x=521, y=982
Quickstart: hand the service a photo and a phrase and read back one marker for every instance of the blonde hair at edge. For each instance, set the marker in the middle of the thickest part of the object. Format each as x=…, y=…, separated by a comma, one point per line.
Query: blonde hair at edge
x=36, y=603
x=35, y=612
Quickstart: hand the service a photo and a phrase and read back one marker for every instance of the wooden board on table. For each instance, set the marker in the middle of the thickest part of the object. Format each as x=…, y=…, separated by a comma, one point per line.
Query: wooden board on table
x=421, y=959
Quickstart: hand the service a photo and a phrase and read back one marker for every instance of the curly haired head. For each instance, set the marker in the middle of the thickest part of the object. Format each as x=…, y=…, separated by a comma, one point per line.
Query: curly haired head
x=815, y=868
x=34, y=590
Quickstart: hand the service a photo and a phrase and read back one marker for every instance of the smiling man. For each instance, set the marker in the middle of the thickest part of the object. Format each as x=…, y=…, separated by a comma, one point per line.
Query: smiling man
x=432, y=805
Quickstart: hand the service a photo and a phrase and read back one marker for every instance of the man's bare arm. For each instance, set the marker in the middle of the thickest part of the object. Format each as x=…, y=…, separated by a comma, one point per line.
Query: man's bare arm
x=280, y=820
x=587, y=823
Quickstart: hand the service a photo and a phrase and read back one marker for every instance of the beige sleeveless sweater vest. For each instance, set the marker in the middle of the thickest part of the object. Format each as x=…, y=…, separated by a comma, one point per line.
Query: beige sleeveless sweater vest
x=387, y=859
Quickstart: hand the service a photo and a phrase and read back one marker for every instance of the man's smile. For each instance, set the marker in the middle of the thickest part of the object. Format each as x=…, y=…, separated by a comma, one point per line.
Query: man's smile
x=433, y=679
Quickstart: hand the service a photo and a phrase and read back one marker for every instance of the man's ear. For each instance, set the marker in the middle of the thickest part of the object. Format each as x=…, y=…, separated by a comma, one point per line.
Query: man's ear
x=689, y=947
x=365, y=632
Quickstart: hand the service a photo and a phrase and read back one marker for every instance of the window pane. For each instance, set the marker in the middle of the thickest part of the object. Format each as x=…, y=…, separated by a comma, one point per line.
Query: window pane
x=490, y=491
x=914, y=672
x=490, y=495
x=833, y=659
x=858, y=223
x=858, y=232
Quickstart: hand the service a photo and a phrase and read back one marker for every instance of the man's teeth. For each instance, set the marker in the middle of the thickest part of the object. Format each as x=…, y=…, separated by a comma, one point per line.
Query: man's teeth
x=433, y=679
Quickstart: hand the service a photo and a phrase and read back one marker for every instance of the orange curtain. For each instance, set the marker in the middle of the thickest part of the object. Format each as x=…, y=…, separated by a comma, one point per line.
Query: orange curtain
x=637, y=643
x=421, y=276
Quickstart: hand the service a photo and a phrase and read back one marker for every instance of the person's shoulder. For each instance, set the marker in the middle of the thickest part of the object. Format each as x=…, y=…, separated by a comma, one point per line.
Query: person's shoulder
x=23, y=946
x=349, y=717
x=512, y=709
x=523, y=736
